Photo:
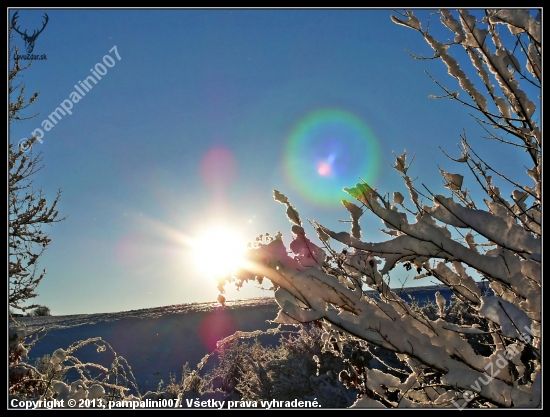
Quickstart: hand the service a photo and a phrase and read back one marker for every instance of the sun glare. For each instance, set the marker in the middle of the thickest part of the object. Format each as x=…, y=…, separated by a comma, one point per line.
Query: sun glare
x=219, y=251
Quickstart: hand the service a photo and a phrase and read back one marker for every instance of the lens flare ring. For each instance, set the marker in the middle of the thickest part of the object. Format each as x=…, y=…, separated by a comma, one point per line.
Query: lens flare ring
x=328, y=150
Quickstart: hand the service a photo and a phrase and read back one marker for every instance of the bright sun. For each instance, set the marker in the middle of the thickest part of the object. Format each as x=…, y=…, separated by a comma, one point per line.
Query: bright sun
x=219, y=251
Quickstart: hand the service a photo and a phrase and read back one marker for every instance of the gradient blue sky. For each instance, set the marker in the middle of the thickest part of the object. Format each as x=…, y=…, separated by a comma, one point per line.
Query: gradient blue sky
x=190, y=128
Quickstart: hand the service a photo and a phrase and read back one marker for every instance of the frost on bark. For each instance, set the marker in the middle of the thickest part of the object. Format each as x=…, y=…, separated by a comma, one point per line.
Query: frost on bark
x=494, y=359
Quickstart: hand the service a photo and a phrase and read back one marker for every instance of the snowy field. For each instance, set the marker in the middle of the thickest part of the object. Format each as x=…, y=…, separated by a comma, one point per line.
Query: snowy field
x=157, y=342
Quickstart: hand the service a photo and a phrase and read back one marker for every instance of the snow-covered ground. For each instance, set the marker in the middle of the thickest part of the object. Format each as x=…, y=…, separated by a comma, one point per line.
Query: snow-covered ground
x=157, y=342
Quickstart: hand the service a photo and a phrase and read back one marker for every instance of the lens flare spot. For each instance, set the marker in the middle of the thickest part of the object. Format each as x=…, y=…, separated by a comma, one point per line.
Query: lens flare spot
x=214, y=327
x=327, y=150
x=324, y=168
x=218, y=168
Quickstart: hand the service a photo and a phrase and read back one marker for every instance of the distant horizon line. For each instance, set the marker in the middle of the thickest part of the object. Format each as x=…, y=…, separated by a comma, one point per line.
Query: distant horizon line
x=242, y=302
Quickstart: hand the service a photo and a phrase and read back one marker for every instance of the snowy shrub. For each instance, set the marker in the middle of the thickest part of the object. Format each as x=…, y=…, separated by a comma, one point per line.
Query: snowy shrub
x=46, y=367
x=40, y=312
x=307, y=365
x=62, y=376
x=190, y=381
x=492, y=358
x=21, y=376
x=296, y=368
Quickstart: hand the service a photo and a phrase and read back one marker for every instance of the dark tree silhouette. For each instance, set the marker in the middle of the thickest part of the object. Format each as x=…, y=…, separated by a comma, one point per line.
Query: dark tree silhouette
x=29, y=211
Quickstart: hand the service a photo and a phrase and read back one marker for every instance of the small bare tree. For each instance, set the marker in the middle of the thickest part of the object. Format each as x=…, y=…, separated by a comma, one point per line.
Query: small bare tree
x=493, y=359
x=28, y=213
x=28, y=209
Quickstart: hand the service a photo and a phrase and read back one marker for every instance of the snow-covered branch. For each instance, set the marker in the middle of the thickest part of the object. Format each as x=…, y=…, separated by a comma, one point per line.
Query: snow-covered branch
x=451, y=240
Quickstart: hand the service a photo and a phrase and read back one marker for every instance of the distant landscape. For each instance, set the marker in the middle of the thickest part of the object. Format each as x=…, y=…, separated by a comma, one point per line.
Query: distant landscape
x=157, y=342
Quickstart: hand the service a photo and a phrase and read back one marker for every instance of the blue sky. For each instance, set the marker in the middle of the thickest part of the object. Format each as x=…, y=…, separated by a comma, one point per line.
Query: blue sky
x=193, y=126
